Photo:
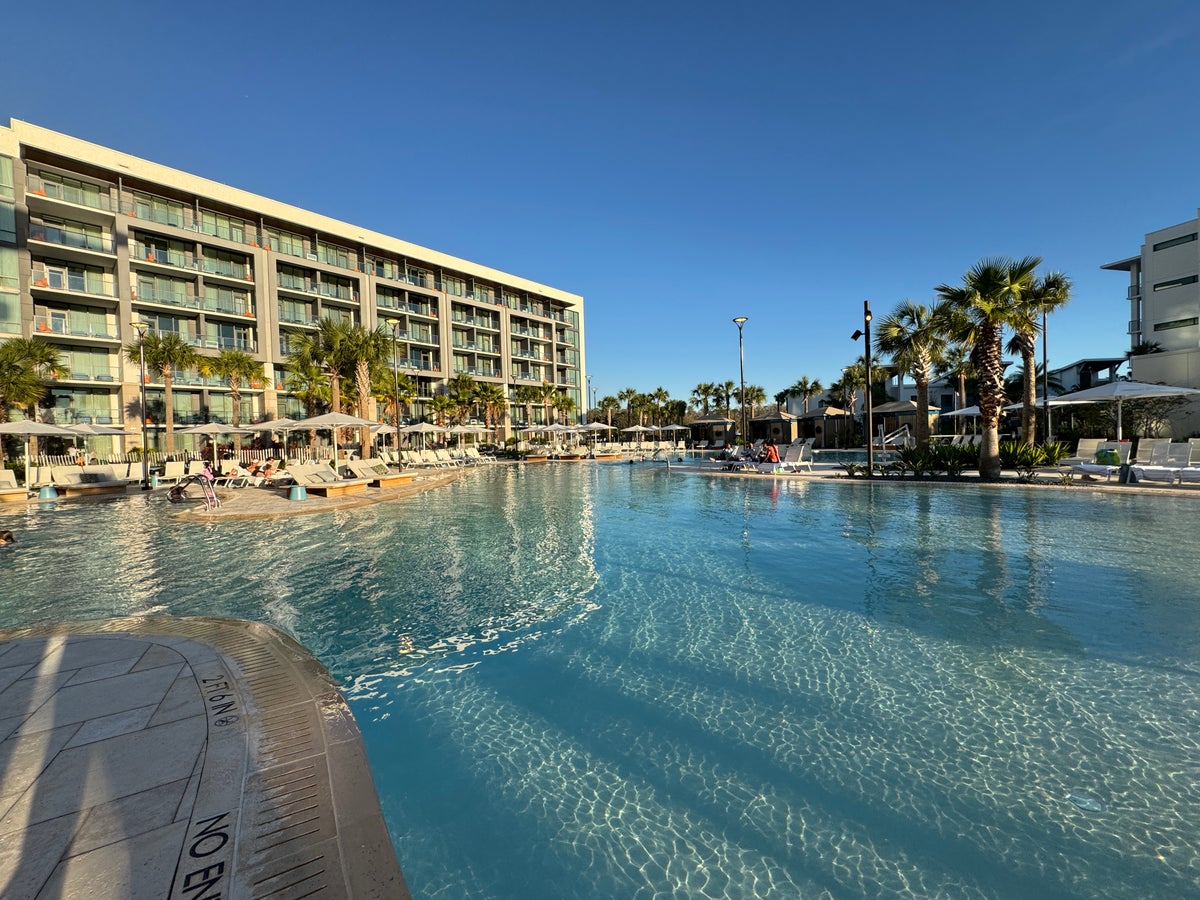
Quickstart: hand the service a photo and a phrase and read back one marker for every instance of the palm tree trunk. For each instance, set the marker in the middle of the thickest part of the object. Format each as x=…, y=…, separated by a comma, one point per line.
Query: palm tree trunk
x=1029, y=401
x=168, y=414
x=991, y=398
x=236, y=418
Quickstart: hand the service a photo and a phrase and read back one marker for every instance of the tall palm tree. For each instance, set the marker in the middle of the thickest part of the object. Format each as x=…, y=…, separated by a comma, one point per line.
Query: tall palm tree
x=442, y=407
x=363, y=351
x=236, y=367
x=464, y=391
x=661, y=397
x=549, y=392
x=565, y=405
x=527, y=395
x=854, y=379
x=494, y=401
x=626, y=396
x=308, y=383
x=165, y=354
x=43, y=361
x=988, y=300
x=20, y=384
x=725, y=392
x=911, y=335
x=1043, y=296
x=608, y=405
x=325, y=348
x=702, y=395
x=754, y=396
x=806, y=389
x=955, y=363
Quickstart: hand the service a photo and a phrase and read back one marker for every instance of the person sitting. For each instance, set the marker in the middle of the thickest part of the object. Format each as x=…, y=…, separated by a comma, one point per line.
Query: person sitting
x=6, y=537
x=771, y=453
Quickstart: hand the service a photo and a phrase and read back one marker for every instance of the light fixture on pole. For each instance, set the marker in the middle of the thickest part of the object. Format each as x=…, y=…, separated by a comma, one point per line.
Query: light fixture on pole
x=1046, y=382
x=590, y=399
x=739, y=322
x=396, y=383
x=865, y=334
x=141, y=328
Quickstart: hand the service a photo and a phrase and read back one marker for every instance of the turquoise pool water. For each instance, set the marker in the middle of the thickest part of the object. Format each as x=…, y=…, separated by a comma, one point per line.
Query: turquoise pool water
x=611, y=681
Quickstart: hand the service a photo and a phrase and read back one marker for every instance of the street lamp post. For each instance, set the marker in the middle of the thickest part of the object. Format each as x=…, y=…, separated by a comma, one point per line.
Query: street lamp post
x=396, y=383
x=1046, y=382
x=865, y=334
x=590, y=399
x=739, y=322
x=141, y=328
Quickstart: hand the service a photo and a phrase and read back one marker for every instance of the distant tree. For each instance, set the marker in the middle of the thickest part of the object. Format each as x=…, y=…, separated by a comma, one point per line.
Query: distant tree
x=608, y=405
x=166, y=354
x=702, y=395
x=235, y=368
x=912, y=336
x=527, y=395
x=1042, y=296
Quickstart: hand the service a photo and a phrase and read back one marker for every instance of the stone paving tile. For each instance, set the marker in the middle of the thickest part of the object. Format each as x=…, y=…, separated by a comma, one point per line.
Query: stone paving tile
x=96, y=699
x=127, y=765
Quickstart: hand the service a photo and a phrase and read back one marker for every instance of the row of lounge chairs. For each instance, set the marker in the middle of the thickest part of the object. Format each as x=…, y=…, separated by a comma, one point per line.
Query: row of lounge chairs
x=792, y=458
x=1166, y=461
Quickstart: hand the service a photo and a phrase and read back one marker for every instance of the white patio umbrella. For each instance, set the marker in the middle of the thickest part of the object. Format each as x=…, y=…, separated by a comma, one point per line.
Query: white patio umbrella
x=212, y=429
x=332, y=422
x=1120, y=391
x=87, y=429
x=639, y=430
x=33, y=428
x=965, y=411
x=422, y=428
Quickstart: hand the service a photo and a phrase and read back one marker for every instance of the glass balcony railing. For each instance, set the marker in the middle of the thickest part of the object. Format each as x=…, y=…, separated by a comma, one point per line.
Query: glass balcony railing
x=226, y=268
x=68, y=193
x=227, y=343
x=74, y=326
x=76, y=282
x=177, y=258
x=166, y=298
x=229, y=307
x=52, y=234
x=298, y=318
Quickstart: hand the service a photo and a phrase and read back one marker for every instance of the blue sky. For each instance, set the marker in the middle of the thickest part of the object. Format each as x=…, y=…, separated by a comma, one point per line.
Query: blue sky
x=677, y=164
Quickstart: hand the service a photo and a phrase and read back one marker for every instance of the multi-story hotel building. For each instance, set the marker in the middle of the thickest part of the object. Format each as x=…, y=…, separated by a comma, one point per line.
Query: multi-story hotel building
x=93, y=240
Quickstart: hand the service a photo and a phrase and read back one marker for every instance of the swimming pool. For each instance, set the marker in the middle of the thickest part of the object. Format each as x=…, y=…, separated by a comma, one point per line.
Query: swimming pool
x=611, y=681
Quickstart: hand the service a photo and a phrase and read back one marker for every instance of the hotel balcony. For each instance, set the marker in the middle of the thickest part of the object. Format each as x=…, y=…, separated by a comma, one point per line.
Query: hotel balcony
x=71, y=245
x=141, y=254
x=166, y=298
x=42, y=196
x=57, y=282
x=238, y=272
x=70, y=327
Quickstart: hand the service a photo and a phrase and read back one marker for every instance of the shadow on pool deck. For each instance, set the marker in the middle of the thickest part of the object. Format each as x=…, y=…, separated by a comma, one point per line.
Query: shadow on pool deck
x=181, y=757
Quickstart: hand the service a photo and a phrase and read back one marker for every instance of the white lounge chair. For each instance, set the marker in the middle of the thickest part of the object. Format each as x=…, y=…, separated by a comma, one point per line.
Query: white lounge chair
x=1094, y=468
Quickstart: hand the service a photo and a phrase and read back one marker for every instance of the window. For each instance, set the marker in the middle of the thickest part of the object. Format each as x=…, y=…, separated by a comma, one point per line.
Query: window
x=72, y=190
x=222, y=226
x=161, y=289
x=284, y=242
x=332, y=255
x=6, y=177
x=8, y=269
x=295, y=279
x=226, y=300
x=452, y=285
x=157, y=209
x=1175, y=242
x=1175, y=282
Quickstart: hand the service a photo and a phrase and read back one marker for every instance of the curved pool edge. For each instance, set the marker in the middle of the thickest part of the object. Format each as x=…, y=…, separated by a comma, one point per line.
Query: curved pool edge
x=183, y=757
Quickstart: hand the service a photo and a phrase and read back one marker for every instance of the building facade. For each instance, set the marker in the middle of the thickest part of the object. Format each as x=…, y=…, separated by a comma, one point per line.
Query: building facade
x=1164, y=306
x=93, y=240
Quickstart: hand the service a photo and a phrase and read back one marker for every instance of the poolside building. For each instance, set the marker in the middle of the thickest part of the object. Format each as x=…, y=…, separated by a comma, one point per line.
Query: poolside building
x=93, y=239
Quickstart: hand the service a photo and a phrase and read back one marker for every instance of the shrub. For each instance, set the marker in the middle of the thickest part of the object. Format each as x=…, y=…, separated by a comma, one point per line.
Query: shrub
x=1020, y=456
x=954, y=460
x=1055, y=452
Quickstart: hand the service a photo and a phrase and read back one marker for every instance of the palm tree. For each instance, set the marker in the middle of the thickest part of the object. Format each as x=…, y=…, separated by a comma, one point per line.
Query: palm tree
x=20, y=385
x=753, y=396
x=165, y=354
x=1043, y=296
x=527, y=395
x=806, y=390
x=565, y=405
x=626, y=396
x=307, y=382
x=955, y=364
x=43, y=361
x=989, y=299
x=725, y=392
x=854, y=379
x=548, y=393
x=463, y=390
x=608, y=405
x=494, y=401
x=661, y=397
x=324, y=348
x=235, y=367
x=702, y=395
x=911, y=335
x=363, y=351
x=442, y=407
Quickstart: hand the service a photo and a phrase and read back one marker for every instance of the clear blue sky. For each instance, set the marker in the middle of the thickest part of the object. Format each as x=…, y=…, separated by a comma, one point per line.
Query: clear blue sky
x=677, y=164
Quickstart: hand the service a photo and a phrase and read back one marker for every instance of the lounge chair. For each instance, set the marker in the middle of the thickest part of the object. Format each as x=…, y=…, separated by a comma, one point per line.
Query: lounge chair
x=1094, y=468
x=10, y=491
x=376, y=472
x=321, y=479
x=85, y=481
x=1085, y=452
x=1164, y=462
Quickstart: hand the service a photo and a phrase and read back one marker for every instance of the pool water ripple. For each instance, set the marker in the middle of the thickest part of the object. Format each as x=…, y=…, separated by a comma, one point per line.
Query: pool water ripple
x=636, y=684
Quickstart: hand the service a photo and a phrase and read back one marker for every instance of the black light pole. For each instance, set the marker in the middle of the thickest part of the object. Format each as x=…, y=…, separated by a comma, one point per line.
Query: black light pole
x=865, y=334
x=396, y=383
x=739, y=322
x=141, y=328
x=1046, y=382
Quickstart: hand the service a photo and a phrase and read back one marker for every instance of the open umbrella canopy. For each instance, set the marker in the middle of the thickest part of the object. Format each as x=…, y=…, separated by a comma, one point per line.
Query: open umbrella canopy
x=637, y=428
x=334, y=420
x=34, y=428
x=282, y=424
x=1119, y=391
x=422, y=428
x=965, y=411
x=88, y=428
x=213, y=429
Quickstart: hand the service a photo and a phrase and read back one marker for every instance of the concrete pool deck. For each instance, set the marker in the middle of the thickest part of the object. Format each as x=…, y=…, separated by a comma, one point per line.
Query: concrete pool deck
x=181, y=757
